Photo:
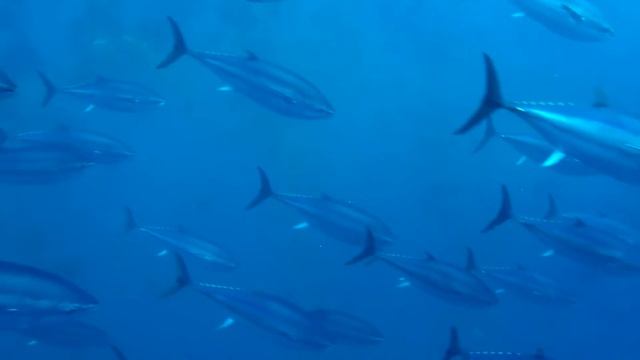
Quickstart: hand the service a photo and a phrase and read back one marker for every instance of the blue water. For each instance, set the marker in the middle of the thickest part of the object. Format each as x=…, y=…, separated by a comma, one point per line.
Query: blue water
x=402, y=75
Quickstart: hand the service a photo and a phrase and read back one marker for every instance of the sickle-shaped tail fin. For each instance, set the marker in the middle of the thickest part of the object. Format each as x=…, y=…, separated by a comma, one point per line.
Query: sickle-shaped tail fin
x=454, y=345
x=183, y=278
x=368, y=251
x=49, y=87
x=504, y=214
x=179, y=45
x=489, y=134
x=265, y=191
x=491, y=102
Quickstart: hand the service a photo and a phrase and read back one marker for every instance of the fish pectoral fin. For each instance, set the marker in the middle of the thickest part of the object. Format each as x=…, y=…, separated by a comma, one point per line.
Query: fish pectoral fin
x=301, y=226
x=226, y=323
x=519, y=14
x=162, y=252
x=90, y=107
x=575, y=15
x=225, y=88
x=554, y=158
x=403, y=283
x=548, y=253
x=521, y=161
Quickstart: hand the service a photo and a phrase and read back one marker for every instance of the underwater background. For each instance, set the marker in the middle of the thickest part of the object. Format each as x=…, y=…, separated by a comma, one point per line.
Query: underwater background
x=402, y=76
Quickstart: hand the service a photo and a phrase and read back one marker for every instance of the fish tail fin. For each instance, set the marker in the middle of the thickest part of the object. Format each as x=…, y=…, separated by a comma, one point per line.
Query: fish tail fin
x=504, y=214
x=368, y=251
x=5, y=77
x=183, y=278
x=454, y=345
x=117, y=352
x=471, y=264
x=489, y=133
x=265, y=191
x=491, y=102
x=131, y=223
x=179, y=45
x=49, y=87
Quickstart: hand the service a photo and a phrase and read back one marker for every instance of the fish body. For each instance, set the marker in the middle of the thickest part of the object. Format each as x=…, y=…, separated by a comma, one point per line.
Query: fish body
x=33, y=165
x=115, y=95
x=184, y=242
x=456, y=352
x=574, y=19
x=343, y=328
x=270, y=313
x=536, y=150
x=338, y=219
x=526, y=284
x=87, y=145
x=25, y=290
x=590, y=240
x=452, y=283
x=601, y=138
x=269, y=85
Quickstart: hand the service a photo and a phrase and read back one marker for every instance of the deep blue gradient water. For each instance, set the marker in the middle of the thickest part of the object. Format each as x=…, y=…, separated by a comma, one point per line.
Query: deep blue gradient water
x=402, y=76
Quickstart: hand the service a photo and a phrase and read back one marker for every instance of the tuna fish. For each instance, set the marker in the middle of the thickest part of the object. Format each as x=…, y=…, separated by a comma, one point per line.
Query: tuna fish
x=455, y=352
x=273, y=314
x=30, y=291
x=105, y=93
x=525, y=284
x=594, y=241
x=267, y=84
x=601, y=138
x=311, y=330
x=7, y=86
x=454, y=284
x=337, y=219
x=32, y=165
x=575, y=19
x=180, y=240
x=536, y=150
x=346, y=329
x=68, y=333
x=87, y=145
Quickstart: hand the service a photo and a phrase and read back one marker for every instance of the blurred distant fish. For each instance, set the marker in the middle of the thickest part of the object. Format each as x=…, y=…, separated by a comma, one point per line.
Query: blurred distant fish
x=536, y=150
x=105, y=93
x=273, y=314
x=26, y=164
x=603, y=139
x=272, y=86
x=87, y=145
x=338, y=219
x=7, y=86
x=70, y=333
x=455, y=352
x=592, y=240
x=575, y=19
x=526, y=284
x=179, y=239
x=457, y=285
x=346, y=329
x=26, y=290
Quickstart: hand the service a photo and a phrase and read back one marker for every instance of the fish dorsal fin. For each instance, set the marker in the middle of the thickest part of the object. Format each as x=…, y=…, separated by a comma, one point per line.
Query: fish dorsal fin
x=579, y=223
x=552, y=209
x=471, y=261
x=539, y=355
x=251, y=55
x=575, y=15
x=429, y=256
x=600, y=99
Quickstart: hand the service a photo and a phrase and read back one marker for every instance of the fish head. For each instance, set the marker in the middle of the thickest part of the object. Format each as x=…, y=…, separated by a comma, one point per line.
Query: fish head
x=308, y=106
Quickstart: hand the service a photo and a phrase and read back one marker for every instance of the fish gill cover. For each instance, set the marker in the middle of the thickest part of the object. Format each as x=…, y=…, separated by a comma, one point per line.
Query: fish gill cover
x=134, y=226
